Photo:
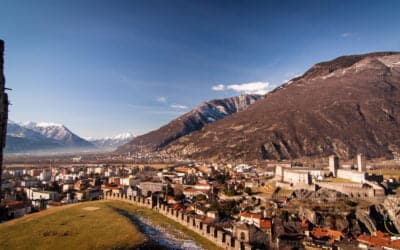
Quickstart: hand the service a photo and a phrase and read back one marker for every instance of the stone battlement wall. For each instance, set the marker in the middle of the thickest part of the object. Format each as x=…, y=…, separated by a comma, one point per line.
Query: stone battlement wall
x=354, y=190
x=286, y=185
x=219, y=237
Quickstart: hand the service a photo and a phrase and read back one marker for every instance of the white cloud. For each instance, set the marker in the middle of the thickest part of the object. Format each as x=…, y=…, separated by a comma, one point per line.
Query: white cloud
x=162, y=99
x=259, y=88
x=178, y=106
x=219, y=87
x=346, y=34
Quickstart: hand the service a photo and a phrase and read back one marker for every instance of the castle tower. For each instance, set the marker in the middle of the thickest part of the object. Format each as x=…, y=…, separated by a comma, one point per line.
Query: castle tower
x=361, y=163
x=333, y=164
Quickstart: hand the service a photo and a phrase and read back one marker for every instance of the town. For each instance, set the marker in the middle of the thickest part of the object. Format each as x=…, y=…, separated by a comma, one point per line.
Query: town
x=325, y=204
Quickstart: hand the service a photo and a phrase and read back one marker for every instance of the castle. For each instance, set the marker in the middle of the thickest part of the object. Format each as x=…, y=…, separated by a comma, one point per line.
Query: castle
x=358, y=176
x=354, y=183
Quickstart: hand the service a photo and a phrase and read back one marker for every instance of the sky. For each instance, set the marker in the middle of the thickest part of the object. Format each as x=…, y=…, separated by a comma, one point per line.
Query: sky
x=107, y=67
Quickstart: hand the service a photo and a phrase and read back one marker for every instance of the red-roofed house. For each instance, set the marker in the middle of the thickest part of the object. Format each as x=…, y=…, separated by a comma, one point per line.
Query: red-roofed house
x=333, y=235
x=380, y=240
x=251, y=218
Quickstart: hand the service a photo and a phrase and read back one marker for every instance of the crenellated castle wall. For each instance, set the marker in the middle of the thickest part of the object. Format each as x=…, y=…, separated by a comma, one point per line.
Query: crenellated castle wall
x=219, y=237
x=356, y=190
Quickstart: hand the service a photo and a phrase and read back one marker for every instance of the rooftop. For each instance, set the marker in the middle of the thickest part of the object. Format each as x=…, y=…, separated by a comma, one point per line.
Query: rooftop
x=380, y=239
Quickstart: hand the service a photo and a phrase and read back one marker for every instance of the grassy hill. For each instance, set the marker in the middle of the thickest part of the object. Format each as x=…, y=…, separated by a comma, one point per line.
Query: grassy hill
x=92, y=225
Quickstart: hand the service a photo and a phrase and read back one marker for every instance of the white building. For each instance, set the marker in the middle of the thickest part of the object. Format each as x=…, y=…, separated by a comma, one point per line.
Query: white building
x=352, y=175
x=296, y=176
x=129, y=181
x=36, y=194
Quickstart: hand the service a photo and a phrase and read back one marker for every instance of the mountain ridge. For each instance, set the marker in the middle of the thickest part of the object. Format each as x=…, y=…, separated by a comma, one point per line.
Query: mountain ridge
x=38, y=137
x=347, y=105
x=197, y=118
x=111, y=142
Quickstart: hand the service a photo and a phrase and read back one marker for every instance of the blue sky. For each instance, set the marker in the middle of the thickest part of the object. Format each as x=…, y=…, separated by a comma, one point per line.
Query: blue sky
x=105, y=67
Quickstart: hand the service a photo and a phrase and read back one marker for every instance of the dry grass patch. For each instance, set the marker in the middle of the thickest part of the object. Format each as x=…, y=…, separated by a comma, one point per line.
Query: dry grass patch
x=343, y=180
x=72, y=227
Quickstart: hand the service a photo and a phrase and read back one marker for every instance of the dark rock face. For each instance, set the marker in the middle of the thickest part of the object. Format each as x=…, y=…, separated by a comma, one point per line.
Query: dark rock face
x=194, y=120
x=3, y=109
x=344, y=106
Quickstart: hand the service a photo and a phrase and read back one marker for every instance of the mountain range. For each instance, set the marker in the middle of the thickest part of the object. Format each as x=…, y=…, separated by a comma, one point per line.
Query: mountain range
x=194, y=120
x=32, y=137
x=344, y=106
x=111, y=143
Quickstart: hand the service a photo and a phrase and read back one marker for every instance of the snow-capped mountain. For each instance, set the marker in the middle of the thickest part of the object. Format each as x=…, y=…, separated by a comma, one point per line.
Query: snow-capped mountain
x=22, y=139
x=111, y=143
x=59, y=133
x=194, y=120
x=218, y=109
x=17, y=130
x=33, y=137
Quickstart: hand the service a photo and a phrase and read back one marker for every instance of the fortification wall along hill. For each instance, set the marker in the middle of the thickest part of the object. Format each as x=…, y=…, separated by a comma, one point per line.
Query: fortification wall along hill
x=220, y=237
x=356, y=190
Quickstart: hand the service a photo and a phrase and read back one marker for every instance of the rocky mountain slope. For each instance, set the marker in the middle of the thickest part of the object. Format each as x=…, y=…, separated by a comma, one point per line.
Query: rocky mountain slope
x=21, y=139
x=113, y=142
x=348, y=105
x=194, y=120
x=34, y=137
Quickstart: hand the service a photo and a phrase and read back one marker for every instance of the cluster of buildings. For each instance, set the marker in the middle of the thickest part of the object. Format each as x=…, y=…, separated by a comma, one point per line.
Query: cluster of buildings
x=253, y=204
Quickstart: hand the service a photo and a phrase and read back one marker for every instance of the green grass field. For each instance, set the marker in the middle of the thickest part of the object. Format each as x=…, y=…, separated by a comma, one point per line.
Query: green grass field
x=89, y=225
x=71, y=227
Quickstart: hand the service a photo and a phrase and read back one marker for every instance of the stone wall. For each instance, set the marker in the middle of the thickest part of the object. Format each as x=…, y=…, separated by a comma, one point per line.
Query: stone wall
x=296, y=176
x=355, y=176
x=354, y=190
x=3, y=110
x=219, y=237
x=298, y=186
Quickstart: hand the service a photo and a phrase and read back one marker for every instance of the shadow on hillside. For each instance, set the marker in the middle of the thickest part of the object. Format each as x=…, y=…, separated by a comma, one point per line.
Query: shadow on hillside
x=156, y=239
